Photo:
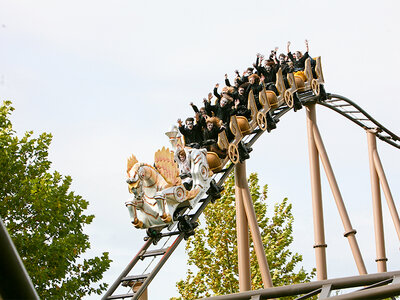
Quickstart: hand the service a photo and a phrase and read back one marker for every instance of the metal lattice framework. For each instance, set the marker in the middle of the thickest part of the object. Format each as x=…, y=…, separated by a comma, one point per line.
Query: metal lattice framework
x=308, y=94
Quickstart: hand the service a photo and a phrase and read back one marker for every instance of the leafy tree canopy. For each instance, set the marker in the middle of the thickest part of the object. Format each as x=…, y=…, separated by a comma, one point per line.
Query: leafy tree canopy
x=212, y=251
x=45, y=219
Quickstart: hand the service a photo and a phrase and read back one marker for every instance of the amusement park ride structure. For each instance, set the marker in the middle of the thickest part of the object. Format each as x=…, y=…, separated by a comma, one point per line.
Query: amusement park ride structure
x=161, y=201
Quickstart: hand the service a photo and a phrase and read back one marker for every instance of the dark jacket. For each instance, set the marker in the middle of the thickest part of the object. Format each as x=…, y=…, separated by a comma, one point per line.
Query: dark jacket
x=192, y=136
x=270, y=76
x=223, y=113
x=286, y=69
x=299, y=65
x=213, y=134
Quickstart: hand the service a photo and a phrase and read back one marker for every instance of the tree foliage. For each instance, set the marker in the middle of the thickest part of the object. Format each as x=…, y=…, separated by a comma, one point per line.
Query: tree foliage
x=213, y=251
x=45, y=219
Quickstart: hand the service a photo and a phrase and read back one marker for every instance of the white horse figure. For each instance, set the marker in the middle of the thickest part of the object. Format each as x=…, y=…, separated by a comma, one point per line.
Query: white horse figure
x=158, y=190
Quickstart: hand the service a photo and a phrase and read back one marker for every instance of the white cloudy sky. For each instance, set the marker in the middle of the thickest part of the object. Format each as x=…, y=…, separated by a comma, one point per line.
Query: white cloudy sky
x=108, y=78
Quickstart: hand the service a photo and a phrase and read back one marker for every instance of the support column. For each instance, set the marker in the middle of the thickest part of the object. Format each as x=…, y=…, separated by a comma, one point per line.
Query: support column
x=242, y=232
x=376, y=205
x=318, y=217
x=388, y=194
x=240, y=172
x=349, y=231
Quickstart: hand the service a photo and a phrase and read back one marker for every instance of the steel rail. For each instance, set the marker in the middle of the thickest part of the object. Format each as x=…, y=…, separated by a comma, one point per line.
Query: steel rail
x=311, y=287
x=127, y=269
x=391, y=139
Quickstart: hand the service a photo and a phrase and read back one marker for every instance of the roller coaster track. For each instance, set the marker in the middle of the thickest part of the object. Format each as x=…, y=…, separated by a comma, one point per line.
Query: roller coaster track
x=139, y=283
x=166, y=252
x=356, y=114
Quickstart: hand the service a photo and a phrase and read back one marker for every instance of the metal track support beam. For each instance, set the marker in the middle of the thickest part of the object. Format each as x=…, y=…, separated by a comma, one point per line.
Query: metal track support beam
x=349, y=231
x=387, y=193
x=242, y=185
x=318, y=215
x=242, y=232
x=376, y=206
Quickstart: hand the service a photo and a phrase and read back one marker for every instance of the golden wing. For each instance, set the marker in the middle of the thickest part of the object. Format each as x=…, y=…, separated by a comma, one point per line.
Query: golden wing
x=165, y=164
x=131, y=162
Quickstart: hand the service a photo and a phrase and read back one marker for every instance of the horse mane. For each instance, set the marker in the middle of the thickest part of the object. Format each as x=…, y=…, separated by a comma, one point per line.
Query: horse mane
x=165, y=164
x=131, y=162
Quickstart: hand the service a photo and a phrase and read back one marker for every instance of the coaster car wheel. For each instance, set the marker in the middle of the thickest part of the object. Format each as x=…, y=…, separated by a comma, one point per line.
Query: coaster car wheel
x=233, y=153
x=262, y=120
x=187, y=226
x=315, y=87
x=288, y=96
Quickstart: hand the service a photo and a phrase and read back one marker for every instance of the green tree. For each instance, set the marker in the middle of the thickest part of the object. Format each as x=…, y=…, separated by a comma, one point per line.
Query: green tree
x=213, y=252
x=44, y=218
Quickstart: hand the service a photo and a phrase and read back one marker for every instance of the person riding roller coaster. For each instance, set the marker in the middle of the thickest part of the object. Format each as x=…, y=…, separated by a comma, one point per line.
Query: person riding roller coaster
x=298, y=59
x=286, y=68
x=268, y=71
x=191, y=132
x=183, y=161
x=256, y=87
x=238, y=93
x=223, y=108
x=210, y=136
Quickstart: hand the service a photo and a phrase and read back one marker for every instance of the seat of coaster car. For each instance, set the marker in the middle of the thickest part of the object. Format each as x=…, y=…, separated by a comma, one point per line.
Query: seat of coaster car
x=304, y=80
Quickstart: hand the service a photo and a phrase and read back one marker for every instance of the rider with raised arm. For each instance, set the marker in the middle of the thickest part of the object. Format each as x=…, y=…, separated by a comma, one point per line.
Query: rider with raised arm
x=191, y=132
x=285, y=67
x=222, y=109
x=256, y=87
x=299, y=59
x=268, y=71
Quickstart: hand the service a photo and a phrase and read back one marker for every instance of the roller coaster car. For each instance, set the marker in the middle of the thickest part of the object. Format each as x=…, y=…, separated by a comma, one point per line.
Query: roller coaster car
x=240, y=126
x=304, y=80
x=158, y=191
x=215, y=163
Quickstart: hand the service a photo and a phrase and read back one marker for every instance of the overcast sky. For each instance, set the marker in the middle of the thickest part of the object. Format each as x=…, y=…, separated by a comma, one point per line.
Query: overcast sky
x=108, y=78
